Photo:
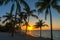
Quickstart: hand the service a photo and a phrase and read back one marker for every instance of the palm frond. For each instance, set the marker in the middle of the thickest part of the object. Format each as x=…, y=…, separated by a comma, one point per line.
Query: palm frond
x=32, y=11
x=46, y=13
x=57, y=8
x=36, y=26
x=25, y=4
x=1, y=2
x=41, y=9
x=40, y=23
x=34, y=16
x=38, y=4
x=18, y=7
x=45, y=25
x=5, y=16
x=5, y=20
x=6, y=2
x=12, y=8
x=26, y=23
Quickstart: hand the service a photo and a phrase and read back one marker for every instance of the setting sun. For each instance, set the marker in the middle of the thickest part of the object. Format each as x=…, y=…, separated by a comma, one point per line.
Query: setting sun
x=30, y=28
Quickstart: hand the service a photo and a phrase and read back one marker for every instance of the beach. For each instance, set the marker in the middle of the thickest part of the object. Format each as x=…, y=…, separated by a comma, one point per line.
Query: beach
x=7, y=36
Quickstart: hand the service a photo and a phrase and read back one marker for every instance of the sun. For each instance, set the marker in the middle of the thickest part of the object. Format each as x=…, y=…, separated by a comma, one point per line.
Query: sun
x=30, y=28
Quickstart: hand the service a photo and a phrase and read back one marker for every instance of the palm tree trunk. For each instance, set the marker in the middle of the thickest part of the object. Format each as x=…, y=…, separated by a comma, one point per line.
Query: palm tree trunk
x=40, y=31
x=11, y=29
x=26, y=28
x=28, y=19
x=12, y=34
x=51, y=25
x=20, y=27
x=13, y=25
x=26, y=25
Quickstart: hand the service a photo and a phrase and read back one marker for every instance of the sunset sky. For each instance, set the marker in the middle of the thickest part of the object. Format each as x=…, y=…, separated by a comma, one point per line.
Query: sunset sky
x=55, y=15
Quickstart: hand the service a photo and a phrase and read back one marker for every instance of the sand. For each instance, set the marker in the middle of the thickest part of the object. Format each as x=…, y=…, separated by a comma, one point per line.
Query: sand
x=17, y=36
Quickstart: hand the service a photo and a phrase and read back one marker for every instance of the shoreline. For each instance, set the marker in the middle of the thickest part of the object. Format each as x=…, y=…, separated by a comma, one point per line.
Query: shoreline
x=7, y=36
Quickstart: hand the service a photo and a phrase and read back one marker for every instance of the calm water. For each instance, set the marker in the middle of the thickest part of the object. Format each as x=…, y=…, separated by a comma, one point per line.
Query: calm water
x=56, y=34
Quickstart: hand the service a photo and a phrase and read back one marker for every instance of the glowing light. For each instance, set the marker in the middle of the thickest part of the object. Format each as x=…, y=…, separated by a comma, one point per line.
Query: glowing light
x=30, y=28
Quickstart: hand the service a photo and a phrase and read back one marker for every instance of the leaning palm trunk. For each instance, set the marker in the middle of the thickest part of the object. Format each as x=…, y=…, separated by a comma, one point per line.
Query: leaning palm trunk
x=13, y=25
x=40, y=31
x=20, y=27
x=26, y=28
x=12, y=32
x=51, y=25
x=26, y=25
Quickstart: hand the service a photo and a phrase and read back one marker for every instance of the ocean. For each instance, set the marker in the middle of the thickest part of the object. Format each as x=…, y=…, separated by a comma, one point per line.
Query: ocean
x=45, y=33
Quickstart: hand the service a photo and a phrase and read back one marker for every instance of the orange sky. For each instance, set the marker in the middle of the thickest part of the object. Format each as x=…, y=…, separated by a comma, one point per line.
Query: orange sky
x=55, y=27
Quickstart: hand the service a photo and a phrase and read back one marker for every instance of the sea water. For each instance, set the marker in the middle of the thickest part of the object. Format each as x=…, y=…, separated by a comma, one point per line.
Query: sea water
x=46, y=34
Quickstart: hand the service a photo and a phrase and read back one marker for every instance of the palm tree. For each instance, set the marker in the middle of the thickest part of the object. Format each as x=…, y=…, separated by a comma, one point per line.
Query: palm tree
x=18, y=5
x=9, y=18
x=8, y=26
x=1, y=2
x=28, y=14
x=40, y=24
x=47, y=5
x=21, y=18
x=26, y=24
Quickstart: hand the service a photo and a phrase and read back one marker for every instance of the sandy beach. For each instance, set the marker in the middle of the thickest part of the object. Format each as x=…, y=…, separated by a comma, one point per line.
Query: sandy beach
x=7, y=36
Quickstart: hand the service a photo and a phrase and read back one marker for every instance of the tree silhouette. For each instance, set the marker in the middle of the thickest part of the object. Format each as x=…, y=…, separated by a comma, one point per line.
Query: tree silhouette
x=9, y=17
x=29, y=13
x=47, y=5
x=18, y=7
x=22, y=18
x=8, y=27
x=40, y=24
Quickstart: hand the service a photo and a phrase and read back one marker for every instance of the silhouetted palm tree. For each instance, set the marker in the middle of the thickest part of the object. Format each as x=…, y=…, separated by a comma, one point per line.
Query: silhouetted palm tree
x=47, y=5
x=27, y=24
x=9, y=17
x=22, y=18
x=40, y=24
x=1, y=2
x=29, y=13
x=8, y=27
x=18, y=6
